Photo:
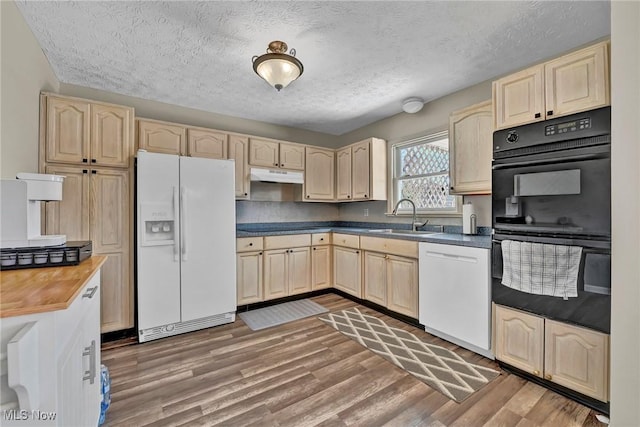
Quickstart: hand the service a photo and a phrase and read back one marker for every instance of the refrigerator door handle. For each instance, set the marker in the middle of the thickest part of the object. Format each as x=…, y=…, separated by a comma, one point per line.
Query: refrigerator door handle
x=183, y=222
x=176, y=218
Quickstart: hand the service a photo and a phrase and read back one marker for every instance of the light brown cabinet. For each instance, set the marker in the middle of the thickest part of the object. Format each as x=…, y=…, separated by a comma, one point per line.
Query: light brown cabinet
x=249, y=270
x=269, y=153
x=574, y=357
x=319, y=175
x=391, y=273
x=286, y=272
x=239, y=151
x=347, y=266
x=575, y=82
x=471, y=149
x=207, y=143
x=161, y=137
x=320, y=267
x=97, y=207
x=362, y=171
x=83, y=132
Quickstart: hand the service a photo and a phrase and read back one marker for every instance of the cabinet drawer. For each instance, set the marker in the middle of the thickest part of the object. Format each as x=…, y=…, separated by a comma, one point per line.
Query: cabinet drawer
x=321, y=239
x=390, y=246
x=287, y=241
x=245, y=244
x=347, y=240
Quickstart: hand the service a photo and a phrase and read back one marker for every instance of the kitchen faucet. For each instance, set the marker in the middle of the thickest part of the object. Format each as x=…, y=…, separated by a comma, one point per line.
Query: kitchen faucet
x=414, y=224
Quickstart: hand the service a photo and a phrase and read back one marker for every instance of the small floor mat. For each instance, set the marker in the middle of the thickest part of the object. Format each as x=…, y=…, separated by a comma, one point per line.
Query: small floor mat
x=437, y=366
x=281, y=313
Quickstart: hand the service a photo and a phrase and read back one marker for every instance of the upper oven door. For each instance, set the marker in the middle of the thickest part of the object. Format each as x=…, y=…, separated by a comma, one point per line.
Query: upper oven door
x=563, y=192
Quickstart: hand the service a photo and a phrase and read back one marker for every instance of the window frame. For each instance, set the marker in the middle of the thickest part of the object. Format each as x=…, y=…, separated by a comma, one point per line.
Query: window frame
x=405, y=210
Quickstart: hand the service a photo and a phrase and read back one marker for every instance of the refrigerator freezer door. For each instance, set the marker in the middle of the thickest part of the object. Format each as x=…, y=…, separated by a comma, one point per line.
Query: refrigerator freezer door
x=208, y=228
x=158, y=261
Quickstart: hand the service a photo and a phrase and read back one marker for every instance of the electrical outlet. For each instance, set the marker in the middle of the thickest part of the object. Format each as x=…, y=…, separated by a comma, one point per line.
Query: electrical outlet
x=366, y=212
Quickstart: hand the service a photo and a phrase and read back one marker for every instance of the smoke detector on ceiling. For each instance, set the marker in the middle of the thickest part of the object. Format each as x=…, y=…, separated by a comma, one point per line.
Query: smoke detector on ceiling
x=412, y=105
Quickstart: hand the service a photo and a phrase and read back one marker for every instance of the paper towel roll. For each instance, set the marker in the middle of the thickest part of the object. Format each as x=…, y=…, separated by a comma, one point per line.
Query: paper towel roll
x=467, y=211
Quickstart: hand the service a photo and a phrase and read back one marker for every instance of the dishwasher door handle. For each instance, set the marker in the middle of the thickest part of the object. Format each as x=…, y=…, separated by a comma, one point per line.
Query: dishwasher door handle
x=451, y=256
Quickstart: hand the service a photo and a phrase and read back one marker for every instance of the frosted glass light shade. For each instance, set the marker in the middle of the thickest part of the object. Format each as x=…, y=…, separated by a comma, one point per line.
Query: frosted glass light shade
x=277, y=67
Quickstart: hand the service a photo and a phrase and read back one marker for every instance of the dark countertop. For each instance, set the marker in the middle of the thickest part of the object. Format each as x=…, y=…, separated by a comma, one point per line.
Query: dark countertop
x=448, y=238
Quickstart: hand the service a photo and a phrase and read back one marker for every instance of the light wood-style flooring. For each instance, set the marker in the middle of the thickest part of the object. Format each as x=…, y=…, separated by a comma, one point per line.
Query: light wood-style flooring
x=306, y=373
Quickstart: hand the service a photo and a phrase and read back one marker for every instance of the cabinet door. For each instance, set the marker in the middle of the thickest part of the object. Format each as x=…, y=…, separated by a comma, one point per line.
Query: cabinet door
x=299, y=270
x=291, y=156
x=239, y=151
x=360, y=175
x=111, y=135
x=110, y=234
x=519, y=98
x=320, y=267
x=346, y=270
x=519, y=339
x=577, y=358
x=206, y=143
x=471, y=149
x=159, y=137
x=275, y=274
x=577, y=82
x=319, y=174
x=402, y=285
x=343, y=164
x=91, y=333
x=249, y=277
x=70, y=365
x=375, y=277
x=263, y=153
x=70, y=216
x=67, y=131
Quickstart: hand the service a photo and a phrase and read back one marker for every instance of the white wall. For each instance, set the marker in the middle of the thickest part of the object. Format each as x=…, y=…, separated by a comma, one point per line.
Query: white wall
x=25, y=72
x=625, y=202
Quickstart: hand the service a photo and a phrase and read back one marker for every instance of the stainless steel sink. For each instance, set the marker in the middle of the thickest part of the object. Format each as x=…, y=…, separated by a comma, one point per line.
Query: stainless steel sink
x=407, y=232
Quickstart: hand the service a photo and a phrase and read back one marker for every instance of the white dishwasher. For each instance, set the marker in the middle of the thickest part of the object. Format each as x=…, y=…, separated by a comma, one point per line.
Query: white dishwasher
x=455, y=295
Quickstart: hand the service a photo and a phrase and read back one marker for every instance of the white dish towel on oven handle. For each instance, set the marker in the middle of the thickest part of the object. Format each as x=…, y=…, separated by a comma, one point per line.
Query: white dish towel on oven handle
x=540, y=268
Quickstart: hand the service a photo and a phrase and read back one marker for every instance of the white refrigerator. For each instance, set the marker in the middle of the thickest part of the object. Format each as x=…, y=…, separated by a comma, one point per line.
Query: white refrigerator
x=186, y=263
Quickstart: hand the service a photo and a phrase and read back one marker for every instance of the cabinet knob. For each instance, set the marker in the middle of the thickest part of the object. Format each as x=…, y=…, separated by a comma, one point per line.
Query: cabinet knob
x=314, y=249
x=260, y=253
x=275, y=164
x=321, y=239
x=550, y=113
x=85, y=171
x=536, y=373
x=348, y=196
x=245, y=194
x=93, y=160
x=250, y=244
x=451, y=188
x=357, y=252
x=365, y=196
x=537, y=115
x=307, y=196
x=85, y=160
x=94, y=172
x=548, y=377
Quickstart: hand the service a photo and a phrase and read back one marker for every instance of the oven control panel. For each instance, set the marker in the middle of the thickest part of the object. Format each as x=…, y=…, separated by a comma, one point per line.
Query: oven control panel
x=572, y=126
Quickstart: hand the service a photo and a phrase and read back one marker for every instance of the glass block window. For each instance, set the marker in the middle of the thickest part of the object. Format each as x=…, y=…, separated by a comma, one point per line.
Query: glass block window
x=421, y=173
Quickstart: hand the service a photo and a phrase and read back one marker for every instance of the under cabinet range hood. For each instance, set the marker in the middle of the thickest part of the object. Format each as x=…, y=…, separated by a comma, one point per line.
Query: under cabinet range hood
x=277, y=175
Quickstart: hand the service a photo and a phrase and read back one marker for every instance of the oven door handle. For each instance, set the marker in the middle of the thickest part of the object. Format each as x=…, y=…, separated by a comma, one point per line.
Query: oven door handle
x=537, y=162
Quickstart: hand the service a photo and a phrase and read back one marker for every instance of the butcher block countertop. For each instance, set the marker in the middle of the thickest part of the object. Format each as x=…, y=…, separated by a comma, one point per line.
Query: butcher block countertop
x=40, y=290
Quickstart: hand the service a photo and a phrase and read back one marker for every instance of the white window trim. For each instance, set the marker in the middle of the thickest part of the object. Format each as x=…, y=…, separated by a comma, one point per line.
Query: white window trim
x=392, y=199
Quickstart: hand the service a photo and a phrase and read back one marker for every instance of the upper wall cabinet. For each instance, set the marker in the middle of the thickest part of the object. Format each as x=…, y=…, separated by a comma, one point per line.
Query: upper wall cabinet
x=207, y=143
x=362, y=171
x=319, y=177
x=82, y=132
x=269, y=153
x=239, y=151
x=470, y=151
x=572, y=83
x=161, y=137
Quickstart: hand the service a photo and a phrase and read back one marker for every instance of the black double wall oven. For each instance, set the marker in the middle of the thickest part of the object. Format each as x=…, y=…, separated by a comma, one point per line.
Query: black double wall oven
x=552, y=184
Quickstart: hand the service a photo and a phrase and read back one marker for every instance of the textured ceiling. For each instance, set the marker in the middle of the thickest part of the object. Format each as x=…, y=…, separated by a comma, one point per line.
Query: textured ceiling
x=361, y=59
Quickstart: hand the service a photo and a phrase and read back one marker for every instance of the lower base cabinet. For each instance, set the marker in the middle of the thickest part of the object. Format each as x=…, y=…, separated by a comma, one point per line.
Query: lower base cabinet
x=571, y=356
x=392, y=282
x=347, y=270
x=249, y=277
x=53, y=363
x=320, y=267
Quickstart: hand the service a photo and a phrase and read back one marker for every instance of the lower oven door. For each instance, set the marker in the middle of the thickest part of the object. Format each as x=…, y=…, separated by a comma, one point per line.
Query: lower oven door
x=591, y=308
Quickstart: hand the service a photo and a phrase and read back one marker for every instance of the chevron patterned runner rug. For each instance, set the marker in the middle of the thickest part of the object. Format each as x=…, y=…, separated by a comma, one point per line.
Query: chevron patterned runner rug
x=440, y=368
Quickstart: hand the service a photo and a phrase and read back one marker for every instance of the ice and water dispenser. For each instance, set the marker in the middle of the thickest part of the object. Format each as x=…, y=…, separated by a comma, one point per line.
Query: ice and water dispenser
x=159, y=223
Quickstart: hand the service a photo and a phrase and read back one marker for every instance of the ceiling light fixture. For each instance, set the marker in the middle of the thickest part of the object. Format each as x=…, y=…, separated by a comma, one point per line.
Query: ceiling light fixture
x=277, y=67
x=412, y=105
